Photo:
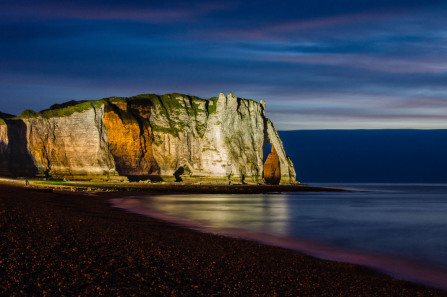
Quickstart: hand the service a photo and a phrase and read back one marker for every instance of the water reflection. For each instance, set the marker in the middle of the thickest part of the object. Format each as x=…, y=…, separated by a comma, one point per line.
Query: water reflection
x=398, y=219
x=401, y=221
x=259, y=212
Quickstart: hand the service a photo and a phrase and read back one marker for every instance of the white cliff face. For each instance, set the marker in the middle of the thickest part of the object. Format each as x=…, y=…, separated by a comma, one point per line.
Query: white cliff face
x=3, y=134
x=242, y=126
x=223, y=138
x=218, y=139
x=200, y=145
x=74, y=146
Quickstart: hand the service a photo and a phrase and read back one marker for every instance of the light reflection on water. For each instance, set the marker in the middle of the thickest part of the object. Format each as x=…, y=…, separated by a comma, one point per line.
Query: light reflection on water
x=257, y=212
x=404, y=220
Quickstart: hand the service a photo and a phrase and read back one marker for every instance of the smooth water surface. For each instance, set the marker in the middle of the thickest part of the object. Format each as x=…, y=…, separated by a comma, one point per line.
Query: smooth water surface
x=407, y=220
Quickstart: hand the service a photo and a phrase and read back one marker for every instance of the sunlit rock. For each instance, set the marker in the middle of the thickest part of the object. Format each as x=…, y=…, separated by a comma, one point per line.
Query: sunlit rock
x=168, y=137
x=272, y=172
x=130, y=139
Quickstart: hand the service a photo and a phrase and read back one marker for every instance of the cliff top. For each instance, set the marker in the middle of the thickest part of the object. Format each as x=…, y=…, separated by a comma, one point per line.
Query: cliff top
x=5, y=116
x=167, y=101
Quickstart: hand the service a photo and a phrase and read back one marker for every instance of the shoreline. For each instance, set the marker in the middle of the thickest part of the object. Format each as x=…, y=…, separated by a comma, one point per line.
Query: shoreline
x=63, y=243
x=393, y=266
x=170, y=187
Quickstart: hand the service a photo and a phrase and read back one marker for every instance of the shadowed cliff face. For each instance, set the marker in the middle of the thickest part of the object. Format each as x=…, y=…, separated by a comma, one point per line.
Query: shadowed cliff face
x=4, y=150
x=130, y=139
x=20, y=161
x=272, y=171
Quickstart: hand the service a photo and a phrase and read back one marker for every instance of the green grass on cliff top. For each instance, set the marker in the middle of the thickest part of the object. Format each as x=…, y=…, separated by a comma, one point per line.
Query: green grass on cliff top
x=168, y=102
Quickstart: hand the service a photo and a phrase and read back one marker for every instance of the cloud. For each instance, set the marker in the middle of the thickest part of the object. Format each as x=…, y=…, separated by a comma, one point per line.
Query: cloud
x=382, y=64
x=367, y=64
x=283, y=30
x=97, y=10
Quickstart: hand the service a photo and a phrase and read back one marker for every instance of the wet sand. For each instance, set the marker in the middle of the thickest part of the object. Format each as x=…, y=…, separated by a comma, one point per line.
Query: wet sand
x=74, y=244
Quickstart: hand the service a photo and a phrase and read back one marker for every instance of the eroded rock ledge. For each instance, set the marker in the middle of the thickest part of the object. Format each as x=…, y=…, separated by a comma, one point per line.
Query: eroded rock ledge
x=167, y=137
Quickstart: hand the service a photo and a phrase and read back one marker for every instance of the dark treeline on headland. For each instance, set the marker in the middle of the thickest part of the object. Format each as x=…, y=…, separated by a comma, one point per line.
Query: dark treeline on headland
x=413, y=156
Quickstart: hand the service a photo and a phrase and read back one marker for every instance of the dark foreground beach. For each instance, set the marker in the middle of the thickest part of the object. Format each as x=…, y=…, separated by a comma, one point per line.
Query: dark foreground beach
x=75, y=244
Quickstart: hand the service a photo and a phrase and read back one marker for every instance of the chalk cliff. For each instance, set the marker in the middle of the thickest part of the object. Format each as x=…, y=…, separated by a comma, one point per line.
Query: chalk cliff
x=168, y=137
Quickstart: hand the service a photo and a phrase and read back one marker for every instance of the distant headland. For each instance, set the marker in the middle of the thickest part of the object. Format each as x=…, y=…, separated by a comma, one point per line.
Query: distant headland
x=171, y=137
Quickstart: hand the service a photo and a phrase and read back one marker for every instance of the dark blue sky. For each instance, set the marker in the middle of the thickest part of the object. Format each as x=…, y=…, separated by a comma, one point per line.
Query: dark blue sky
x=318, y=64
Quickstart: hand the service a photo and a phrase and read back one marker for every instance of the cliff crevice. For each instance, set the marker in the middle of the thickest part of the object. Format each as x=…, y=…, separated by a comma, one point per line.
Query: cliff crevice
x=130, y=139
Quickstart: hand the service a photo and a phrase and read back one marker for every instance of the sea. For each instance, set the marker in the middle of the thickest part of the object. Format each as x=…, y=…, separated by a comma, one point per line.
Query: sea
x=400, y=229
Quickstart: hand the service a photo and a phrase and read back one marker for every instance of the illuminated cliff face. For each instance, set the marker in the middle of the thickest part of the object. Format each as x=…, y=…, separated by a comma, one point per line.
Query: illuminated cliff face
x=74, y=146
x=130, y=139
x=149, y=136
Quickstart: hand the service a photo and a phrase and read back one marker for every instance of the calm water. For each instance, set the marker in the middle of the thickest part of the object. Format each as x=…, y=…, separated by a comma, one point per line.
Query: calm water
x=396, y=219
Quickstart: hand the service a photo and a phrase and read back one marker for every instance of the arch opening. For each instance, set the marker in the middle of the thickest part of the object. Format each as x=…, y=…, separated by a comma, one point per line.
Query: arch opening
x=182, y=170
x=267, y=150
x=272, y=172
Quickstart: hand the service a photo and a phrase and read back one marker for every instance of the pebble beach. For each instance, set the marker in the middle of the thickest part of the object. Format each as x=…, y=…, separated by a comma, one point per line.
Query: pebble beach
x=67, y=244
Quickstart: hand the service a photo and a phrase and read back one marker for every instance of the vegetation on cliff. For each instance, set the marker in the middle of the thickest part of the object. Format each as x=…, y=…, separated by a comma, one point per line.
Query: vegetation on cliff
x=168, y=106
x=61, y=110
x=167, y=102
x=28, y=113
